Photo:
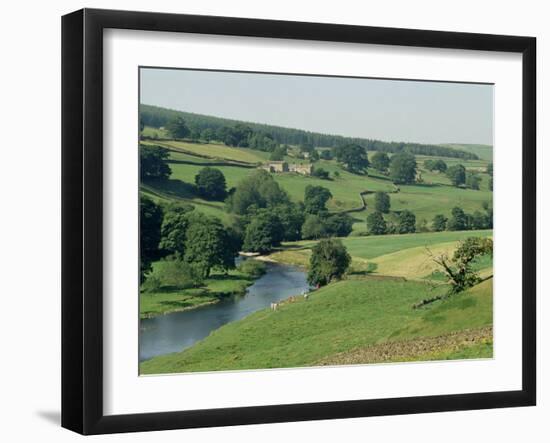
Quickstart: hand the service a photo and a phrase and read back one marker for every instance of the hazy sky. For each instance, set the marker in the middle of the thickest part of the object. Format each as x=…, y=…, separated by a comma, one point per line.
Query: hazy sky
x=425, y=112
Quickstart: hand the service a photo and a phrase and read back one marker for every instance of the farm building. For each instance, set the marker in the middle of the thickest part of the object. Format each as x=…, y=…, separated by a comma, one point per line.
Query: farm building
x=281, y=166
x=275, y=166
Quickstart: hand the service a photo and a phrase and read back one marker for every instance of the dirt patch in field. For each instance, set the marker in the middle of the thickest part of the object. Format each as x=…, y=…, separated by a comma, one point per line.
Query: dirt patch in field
x=423, y=348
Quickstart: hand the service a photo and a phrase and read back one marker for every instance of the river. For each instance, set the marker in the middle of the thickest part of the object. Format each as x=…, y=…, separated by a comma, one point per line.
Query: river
x=180, y=330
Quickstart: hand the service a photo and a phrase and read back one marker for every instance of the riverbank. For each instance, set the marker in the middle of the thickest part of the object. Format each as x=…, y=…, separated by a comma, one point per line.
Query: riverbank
x=339, y=318
x=165, y=334
x=216, y=288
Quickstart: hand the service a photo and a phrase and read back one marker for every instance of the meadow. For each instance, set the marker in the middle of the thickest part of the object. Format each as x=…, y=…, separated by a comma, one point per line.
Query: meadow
x=367, y=316
x=346, y=317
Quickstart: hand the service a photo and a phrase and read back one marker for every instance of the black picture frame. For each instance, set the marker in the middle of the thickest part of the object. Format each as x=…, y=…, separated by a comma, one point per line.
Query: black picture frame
x=82, y=218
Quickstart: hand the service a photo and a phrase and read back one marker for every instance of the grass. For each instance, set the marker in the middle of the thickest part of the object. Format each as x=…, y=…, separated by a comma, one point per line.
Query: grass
x=377, y=245
x=216, y=287
x=217, y=151
x=484, y=152
x=342, y=317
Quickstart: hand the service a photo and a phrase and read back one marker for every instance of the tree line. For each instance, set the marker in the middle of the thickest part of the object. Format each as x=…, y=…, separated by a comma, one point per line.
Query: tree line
x=210, y=126
x=406, y=221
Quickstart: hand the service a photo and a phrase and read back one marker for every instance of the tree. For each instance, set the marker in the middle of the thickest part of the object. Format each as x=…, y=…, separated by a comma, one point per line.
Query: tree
x=152, y=163
x=380, y=161
x=314, y=228
x=376, y=225
x=490, y=183
x=407, y=222
x=263, y=233
x=457, y=175
x=315, y=199
x=210, y=183
x=208, y=244
x=174, y=229
x=382, y=202
x=292, y=217
x=458, y=220
x=339, y=225
x=439, y=223
x=258, y=190
x=208, y=134
x=320, y=173
x=329, y=260
x=472, y=181
x=353, y=157
x=150, y=220
x=435, y=165
x=278, y=153
x=489, y=169
x=458, y=269
x=178, y=128
x=403, y=168
x=326, y=154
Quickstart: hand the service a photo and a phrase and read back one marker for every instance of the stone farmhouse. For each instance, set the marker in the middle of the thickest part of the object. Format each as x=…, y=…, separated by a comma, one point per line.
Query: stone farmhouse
x=282, y=166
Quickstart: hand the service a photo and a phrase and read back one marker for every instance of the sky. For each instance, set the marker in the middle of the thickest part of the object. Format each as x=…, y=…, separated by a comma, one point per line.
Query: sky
x=389, y=110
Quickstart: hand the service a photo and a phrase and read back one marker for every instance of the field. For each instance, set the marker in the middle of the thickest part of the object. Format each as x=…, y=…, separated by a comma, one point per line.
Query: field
x=368, y=315
x=434, y=196
x=346, y=317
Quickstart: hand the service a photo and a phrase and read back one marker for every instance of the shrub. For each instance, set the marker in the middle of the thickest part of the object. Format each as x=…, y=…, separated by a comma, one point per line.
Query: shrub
x=253, y=268
x=178, y=274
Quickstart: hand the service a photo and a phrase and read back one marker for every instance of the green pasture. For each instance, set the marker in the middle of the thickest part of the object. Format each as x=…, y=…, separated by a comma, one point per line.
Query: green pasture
x=343, y=316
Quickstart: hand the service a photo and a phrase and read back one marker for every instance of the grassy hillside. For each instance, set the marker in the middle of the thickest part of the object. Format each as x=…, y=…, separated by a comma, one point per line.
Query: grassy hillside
x=484, y=152
x=345, y=317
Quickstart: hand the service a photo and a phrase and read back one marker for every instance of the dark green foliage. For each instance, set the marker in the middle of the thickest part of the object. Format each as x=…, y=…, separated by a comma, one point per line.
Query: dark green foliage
x=353, y=157
x=403, y=168
x=173, y=231
x=458, y=269
x=263, y=233
x=208, y=244
x=406, y=223
x=178, y=128
x=490, y=183
x=320, y=173
x=314, y=228
x=157, y=117
x=292, y=217
x=153, y=162
x=326, y=154
x=435, y=165
x=458, y=220
x=329, y=261
x=208, y=134
x=457, y=175
x=376, y=225
x=339, y=225
x=258, y=190
x=315, y=199
x=380, y=161
x=150, y=221
x=439, y=223
x=472, y=181
x=490, y=169
x=278, y=153
x=210, y=183
x=382, y=202
x=323, y=225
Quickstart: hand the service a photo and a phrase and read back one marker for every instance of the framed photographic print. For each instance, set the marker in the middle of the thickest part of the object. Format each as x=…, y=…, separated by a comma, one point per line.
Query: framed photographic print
x=269, y=221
